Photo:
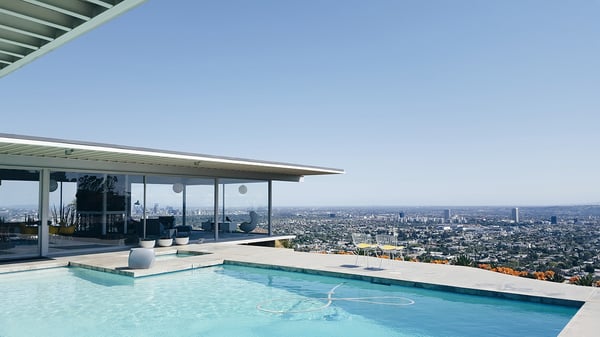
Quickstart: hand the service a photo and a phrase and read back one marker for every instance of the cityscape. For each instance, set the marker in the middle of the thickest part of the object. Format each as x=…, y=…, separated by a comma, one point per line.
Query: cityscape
x=561, y=240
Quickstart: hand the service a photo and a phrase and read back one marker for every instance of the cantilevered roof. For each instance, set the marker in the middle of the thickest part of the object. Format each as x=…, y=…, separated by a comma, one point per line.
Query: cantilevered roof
x=17, y=150
x=32, y=28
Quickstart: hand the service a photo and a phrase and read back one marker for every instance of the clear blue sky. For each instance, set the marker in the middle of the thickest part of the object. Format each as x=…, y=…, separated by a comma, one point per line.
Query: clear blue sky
x=421, y=102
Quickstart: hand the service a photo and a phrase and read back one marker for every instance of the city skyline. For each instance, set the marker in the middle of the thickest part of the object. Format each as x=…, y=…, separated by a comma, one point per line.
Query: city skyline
x=422, y=104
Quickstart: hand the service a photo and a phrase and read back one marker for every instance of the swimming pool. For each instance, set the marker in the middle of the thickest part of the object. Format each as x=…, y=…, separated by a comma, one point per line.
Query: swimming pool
x=243, y=301
x=177, y=255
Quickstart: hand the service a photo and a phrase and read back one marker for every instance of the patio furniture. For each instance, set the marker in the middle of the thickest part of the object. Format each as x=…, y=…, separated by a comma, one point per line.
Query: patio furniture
x=363, y=243
x=223, y=226
x=387, y=244
x=183, y=230
x=153, y=228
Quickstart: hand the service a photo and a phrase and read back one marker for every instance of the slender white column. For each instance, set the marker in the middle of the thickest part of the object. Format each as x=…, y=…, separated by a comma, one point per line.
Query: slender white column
x=184, y=197
x=270, y=207
x=144, y=209
x=44, y=209
x=216, y=210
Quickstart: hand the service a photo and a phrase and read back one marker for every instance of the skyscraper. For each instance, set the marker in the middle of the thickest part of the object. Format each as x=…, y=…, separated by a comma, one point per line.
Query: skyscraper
x=446, y=214
x=515, y=215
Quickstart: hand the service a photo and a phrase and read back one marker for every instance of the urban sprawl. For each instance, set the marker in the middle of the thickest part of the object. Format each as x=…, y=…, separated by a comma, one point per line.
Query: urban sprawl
x=554, y=243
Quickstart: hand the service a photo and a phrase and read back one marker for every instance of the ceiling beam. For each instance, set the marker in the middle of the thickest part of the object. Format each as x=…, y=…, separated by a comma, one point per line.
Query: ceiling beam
x=41, y=15
x=40, y=26
x=80, y=10
x=24, y=27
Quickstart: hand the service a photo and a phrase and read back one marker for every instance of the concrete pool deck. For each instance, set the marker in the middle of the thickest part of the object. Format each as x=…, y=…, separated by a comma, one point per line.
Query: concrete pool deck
x=444, y=277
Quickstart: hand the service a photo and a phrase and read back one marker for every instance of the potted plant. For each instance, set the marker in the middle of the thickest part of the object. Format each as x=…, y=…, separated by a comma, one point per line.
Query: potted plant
x=182, y=239
x=165, y=241
x=147, y=242
x=64, y=221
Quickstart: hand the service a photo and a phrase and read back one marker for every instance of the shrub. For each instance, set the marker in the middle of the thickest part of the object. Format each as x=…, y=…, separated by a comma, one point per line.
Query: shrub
x=463, y=260
x=587, y=280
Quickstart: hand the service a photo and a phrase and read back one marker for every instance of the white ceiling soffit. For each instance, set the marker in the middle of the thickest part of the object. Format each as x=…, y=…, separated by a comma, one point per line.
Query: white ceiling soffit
x=48, y=148
x=32, y=28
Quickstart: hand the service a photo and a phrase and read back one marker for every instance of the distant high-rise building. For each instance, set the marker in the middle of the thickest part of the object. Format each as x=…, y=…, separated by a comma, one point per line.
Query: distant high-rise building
x=515, y=215
x=553, y=220
x=447, y=214
x=402, y=217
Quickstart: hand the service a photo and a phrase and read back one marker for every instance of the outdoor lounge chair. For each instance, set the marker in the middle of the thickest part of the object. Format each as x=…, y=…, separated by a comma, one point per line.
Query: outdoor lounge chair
x=248, y=227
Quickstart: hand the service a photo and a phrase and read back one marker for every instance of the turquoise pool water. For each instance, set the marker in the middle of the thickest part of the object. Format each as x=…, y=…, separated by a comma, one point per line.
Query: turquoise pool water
x=176, y=255
x=241, y=301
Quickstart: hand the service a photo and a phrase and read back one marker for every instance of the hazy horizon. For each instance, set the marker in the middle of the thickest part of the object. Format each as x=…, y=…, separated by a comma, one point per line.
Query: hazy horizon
x=188, y=206
x=421, y=103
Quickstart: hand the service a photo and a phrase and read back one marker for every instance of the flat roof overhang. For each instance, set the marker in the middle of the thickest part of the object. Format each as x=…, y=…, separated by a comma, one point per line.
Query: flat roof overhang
x=27, y=151
x=32, y=28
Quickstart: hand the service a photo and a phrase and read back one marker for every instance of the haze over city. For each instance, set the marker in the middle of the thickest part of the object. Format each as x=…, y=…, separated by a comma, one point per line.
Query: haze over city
x=421, y=103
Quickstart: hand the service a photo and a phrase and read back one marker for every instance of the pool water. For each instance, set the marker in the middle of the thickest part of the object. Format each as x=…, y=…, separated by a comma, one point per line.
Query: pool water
x=242, y=301
x=177, y=255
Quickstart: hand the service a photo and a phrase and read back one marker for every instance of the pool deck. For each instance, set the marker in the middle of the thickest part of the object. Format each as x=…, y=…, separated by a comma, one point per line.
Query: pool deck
x=436, y=276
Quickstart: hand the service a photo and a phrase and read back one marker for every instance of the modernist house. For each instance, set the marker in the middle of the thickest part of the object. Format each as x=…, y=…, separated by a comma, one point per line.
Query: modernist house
x=60, y=196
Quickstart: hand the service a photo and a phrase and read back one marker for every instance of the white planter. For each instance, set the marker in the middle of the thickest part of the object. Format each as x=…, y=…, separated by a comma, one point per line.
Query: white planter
x=147, y=243
x=184, y=240
x=141, y=258
x=165, y=242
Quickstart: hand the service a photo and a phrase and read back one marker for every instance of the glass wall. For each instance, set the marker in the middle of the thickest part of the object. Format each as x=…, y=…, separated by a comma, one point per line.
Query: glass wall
x=199, y=202
x=19, y=214
x=89, y=211
x=245, y=205
x=93, y=211
x=177, y=201
x=174, y=204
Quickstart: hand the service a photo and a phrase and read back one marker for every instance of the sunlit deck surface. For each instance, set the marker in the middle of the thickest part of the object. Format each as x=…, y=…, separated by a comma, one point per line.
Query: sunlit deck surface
x=443, y=277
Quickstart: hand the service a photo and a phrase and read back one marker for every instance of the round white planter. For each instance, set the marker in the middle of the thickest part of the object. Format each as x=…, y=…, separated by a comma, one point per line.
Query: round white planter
x=141, y=258
x=184, y=240
x=165, y=242
x=147, y=243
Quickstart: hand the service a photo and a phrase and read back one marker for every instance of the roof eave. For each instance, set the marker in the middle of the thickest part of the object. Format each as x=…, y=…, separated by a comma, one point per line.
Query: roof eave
x=74, y=154
x=94, y=22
